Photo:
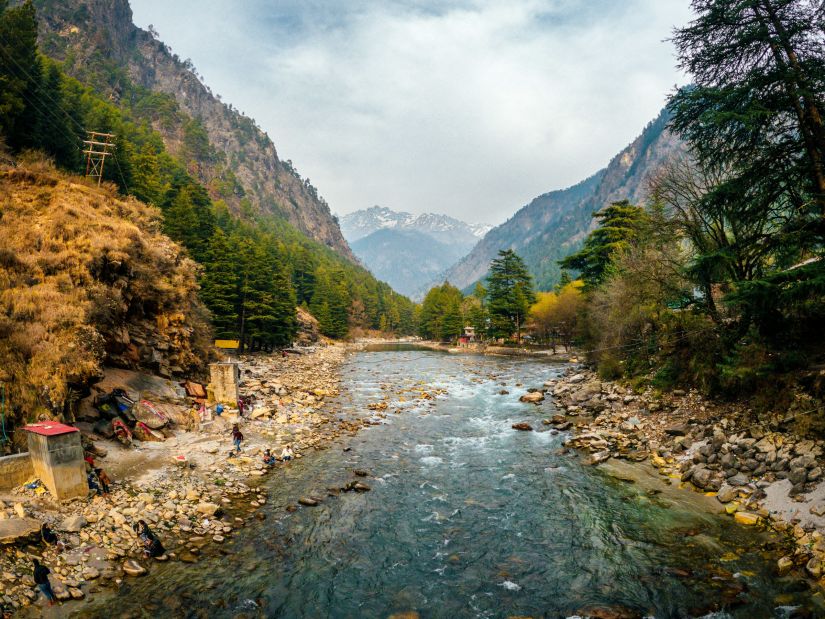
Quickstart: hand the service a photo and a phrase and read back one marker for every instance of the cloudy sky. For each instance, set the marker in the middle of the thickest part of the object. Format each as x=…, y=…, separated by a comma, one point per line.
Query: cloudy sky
x=465, y=107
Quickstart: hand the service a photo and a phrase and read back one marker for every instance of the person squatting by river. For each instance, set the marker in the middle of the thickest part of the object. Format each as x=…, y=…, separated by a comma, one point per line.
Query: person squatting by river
x=50, y=537
x=41, y=579
x=287, y=454
x=151, y=544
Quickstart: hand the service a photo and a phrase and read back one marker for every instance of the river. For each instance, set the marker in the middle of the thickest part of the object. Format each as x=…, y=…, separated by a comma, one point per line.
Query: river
x=466, y=518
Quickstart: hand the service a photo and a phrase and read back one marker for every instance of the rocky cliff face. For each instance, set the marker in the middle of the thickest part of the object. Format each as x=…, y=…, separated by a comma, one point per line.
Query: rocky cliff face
x=554, y=224
x=100, y=45
x=87, y=279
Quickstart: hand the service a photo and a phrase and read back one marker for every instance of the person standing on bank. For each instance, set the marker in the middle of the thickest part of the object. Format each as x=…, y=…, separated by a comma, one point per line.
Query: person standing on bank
x=237, y=437
x=41, y=579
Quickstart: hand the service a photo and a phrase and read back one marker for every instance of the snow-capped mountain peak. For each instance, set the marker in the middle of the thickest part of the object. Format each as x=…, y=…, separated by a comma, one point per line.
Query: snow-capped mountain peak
x=442, y=227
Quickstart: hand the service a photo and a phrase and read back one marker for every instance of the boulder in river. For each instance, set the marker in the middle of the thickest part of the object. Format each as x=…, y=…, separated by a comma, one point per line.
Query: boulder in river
x=523, y=426
x=746, y=518
x=308, y=501
x=727, y=493
x=532, y=398
x=133, y=568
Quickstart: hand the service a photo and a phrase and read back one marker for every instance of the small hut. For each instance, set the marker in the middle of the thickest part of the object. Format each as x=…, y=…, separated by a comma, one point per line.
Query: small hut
x=57, y=459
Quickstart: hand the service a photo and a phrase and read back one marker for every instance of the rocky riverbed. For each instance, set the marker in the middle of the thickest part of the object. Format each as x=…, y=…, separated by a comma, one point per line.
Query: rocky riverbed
x=760, y=472
x=187, y=487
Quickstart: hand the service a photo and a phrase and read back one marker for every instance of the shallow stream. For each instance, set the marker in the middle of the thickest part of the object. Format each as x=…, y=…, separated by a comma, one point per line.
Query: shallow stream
x=467, y=518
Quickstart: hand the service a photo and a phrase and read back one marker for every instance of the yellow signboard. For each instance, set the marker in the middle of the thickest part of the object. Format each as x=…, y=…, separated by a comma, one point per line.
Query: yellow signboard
x=227, y=343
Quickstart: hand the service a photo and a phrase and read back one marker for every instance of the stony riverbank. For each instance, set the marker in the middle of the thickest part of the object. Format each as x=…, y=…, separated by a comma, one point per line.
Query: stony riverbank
x=758, y=470
x=187, y=487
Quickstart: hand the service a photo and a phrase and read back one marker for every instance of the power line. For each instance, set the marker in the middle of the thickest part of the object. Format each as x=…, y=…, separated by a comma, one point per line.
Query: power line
x=32, y=78
x=46, y=111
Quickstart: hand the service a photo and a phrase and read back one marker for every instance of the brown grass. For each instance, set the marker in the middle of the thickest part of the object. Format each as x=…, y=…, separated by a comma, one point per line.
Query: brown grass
x=86, y=278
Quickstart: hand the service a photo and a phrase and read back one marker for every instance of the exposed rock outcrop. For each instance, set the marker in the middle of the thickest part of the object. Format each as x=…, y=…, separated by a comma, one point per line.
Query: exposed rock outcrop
x=98, y=41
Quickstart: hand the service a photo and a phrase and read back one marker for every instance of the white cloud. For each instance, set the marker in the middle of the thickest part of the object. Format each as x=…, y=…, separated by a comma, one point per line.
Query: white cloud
x=468, y=108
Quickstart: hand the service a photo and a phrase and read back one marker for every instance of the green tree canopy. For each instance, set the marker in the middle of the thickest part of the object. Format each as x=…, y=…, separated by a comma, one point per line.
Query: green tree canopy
x=510, y=294
x=619, y=224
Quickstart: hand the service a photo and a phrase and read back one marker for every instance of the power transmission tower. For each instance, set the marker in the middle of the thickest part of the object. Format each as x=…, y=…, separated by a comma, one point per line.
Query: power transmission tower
x=96, y=153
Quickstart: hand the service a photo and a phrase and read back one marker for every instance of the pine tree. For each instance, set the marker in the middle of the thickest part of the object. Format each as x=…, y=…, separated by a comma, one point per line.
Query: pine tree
x=510, y=294
x=21, y=110
x=756, y=100
x=452, y=324
x=219, y=286
x=619, y=224
x=753, y=117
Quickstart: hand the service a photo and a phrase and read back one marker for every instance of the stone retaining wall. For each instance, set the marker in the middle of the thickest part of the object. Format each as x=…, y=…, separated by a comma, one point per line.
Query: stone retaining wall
x=15, y=470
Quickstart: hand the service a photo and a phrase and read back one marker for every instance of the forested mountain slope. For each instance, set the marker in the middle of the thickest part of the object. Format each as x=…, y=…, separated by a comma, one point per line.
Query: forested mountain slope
x=99, y=44
x=406, y=259
x=554, y=224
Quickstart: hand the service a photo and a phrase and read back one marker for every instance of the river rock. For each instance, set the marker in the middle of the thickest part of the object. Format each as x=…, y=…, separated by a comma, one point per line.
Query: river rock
x=727, y=493
x=701, y=477
x=740, y=479
x=361, y=487
x=73, y=524
x=746, y=518
x=818, y=509
x=308, y=501
x=814, y=567
x=133, y=568
x=599, y=457
x=677, y=430
x=798, y=476
x=18, y=530
x=784, y=565
x=523, y=426
x=532, y=398
x=207, y=509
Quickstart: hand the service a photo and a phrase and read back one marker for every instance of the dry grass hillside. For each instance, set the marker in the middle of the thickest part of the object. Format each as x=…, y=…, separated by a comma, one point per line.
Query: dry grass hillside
x=87, y=279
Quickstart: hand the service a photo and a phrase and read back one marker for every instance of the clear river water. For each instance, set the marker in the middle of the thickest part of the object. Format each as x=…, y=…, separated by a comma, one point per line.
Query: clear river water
x=467, y=518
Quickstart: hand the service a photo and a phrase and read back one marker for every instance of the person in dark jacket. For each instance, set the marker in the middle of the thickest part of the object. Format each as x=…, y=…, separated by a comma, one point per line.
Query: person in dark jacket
x=237, y=437
x=41, y=579
x=151, y=544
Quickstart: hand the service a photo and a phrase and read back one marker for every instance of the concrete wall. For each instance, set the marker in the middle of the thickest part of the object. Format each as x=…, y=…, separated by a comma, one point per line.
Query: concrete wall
x=224, y=382
x=58, y=462
x=15, y=470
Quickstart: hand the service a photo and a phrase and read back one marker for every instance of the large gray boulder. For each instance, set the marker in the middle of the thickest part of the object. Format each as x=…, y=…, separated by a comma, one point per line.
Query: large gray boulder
x=18, y=530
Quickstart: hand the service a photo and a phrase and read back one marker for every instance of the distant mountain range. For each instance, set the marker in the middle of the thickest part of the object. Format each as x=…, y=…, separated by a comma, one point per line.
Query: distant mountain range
x=555, y=224
x=408, y=251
